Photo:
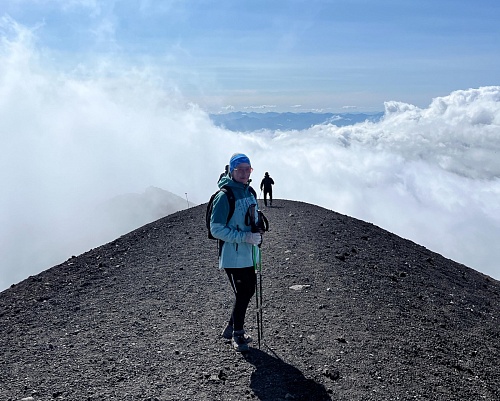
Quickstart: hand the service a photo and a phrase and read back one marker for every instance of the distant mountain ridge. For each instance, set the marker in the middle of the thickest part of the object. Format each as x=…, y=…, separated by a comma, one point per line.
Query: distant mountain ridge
x=133, y=210
x=126, y=212
x=91, y=227
x=253, y=121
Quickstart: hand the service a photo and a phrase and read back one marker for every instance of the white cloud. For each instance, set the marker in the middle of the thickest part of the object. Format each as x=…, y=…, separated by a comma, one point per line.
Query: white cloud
x=431, y=174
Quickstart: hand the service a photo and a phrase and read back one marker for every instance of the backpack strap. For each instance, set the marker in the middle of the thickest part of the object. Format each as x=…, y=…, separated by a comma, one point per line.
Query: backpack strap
x=232, y=204
x=231, y=199
x=252, y=191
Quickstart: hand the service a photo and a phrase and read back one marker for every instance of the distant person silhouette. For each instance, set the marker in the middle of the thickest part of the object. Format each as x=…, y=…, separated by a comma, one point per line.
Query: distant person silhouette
x=226, y=171
x=267, y=185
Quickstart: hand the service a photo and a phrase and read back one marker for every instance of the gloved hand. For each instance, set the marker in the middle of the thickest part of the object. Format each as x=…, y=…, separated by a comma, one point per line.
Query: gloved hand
x=253, y=238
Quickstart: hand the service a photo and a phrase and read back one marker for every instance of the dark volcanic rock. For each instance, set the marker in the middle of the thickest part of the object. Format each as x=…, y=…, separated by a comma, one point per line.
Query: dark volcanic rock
x=376, y=317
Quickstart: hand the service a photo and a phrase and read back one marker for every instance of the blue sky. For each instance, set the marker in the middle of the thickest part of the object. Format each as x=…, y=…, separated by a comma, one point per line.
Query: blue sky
x=276, y=55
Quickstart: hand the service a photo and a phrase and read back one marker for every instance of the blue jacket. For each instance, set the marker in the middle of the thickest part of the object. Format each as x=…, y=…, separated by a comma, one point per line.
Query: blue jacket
x=235, y=251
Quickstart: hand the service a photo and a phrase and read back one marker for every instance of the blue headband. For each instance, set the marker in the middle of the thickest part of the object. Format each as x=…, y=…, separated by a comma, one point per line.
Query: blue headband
x=236, y=159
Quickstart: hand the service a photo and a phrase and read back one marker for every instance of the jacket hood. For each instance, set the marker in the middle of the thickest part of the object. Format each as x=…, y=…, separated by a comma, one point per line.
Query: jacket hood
x=226, y=180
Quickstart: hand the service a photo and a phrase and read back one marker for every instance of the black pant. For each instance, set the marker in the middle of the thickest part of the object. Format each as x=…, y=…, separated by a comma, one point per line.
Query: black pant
x=266, y=192
x=243, y=283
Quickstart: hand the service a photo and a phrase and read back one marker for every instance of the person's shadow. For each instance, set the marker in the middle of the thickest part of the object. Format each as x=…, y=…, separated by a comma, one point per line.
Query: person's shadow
x=274, y=379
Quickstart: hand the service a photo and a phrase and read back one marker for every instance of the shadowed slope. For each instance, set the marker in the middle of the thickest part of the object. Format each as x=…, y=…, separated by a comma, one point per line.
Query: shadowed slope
x=378, y=318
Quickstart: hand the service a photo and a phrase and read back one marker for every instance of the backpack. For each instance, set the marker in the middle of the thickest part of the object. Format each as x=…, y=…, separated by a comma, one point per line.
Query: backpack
x=231, y=199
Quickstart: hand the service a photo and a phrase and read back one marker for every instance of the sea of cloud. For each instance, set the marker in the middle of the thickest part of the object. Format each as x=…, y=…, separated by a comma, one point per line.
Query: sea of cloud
x=72, y=139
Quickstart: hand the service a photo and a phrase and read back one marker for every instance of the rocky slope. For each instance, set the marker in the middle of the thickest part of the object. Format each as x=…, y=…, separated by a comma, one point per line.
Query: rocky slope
x=352, y=312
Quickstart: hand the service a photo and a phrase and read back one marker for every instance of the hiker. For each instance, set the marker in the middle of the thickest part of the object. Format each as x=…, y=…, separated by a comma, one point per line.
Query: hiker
x=236, y=254
x=267, y=185
x=224, y=173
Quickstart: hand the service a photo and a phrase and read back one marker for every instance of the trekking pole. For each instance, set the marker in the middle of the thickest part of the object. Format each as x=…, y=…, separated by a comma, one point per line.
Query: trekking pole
x=261, y=310
x=257, y=261
x=260, y=226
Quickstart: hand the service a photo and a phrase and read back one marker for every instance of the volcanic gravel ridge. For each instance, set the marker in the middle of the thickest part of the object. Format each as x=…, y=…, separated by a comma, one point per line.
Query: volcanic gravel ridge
x=351, y=312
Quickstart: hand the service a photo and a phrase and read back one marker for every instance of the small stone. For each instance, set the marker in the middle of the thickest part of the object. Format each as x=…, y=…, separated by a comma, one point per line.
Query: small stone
x=332, y=374
x=299, y=287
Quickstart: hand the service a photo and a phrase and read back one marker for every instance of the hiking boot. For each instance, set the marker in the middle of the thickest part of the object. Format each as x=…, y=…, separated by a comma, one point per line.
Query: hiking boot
x=228, y=334
x=239, y=341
